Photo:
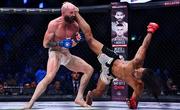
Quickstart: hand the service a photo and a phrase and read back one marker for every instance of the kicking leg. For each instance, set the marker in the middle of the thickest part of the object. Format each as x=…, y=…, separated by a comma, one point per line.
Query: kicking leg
x=94, y=45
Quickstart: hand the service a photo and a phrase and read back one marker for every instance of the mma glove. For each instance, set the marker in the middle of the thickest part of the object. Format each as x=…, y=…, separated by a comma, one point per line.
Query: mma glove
x=66, y=43
x=152, y=27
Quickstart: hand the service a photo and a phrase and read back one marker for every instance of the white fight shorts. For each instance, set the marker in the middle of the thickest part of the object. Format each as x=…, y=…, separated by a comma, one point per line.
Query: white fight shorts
x=105, y=60
x=62, y=54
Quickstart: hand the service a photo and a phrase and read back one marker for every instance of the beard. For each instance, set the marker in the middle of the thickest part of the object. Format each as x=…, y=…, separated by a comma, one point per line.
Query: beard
x=69, y=19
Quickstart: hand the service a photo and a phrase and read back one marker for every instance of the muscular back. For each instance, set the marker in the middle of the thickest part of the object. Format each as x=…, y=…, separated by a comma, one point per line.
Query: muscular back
x=59, y=30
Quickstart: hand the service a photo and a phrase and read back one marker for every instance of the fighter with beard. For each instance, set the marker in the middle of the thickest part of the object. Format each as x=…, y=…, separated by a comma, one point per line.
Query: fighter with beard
x=59, y=37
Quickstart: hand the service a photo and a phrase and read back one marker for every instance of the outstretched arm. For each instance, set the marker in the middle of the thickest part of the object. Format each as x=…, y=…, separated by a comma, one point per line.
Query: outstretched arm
x=141, y=53
x=94, y=45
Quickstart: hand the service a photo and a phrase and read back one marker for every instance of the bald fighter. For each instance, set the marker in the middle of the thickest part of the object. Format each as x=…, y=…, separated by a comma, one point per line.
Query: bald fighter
x=114, y=66
x=58, y=38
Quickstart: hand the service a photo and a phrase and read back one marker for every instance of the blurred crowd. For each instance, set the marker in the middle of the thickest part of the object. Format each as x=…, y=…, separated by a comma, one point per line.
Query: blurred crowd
x=168, y=86
x=166, y=82
x=66, y=82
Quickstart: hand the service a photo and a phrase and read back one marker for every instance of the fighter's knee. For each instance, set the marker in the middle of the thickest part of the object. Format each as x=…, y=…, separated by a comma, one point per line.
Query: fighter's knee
x=89, y=69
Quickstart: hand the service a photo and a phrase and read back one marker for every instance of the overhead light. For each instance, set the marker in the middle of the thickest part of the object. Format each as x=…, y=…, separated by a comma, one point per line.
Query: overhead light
x=133, y=37
x=41, y=5
x=25, y=1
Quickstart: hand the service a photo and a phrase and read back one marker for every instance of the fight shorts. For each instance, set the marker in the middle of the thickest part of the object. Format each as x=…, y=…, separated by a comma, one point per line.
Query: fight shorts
x=62, y=54
x=106, y=58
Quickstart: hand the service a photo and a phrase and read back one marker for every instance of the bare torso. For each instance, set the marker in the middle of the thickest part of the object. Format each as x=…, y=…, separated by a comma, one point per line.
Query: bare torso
x=63, y=30
x=122, y=68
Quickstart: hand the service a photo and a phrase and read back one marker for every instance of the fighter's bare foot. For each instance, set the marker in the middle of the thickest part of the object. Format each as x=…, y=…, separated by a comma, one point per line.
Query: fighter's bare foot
x=81, y=102
x=28, y=106
x=89, y=98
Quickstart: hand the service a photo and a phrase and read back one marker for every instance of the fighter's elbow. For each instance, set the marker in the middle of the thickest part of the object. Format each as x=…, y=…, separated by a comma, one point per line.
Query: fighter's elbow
x=45, y=45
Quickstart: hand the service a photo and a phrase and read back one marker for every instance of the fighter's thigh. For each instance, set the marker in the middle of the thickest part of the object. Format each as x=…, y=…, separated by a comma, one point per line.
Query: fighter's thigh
x=52, y=66
x=77, y=64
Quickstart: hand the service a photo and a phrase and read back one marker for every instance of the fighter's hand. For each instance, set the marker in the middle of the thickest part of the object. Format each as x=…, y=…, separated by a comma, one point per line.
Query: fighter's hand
x=76, y=9
x=77, y=37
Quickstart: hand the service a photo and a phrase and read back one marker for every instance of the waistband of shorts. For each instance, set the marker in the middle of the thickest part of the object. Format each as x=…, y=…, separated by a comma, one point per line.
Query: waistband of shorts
x=57, y=49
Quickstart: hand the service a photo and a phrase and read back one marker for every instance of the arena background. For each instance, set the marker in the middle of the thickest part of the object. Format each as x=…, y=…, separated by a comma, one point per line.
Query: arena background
x=22, y=53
